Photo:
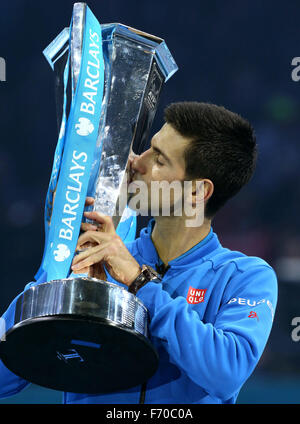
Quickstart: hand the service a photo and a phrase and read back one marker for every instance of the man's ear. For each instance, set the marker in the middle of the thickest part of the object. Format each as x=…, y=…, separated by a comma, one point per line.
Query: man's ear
x=197, y=193
x=202, y=190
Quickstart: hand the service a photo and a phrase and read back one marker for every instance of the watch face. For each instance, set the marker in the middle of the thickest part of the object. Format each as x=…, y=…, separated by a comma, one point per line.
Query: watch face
x=151, y=274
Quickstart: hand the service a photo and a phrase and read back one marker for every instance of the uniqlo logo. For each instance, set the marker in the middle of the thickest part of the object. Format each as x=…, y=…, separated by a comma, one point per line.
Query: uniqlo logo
x=195, y=295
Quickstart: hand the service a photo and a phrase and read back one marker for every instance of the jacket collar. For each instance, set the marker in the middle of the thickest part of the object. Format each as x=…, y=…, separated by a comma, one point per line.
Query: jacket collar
x=149, y=253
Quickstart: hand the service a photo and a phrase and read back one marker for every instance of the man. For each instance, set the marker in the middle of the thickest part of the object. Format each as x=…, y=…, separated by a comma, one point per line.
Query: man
x=212, y=311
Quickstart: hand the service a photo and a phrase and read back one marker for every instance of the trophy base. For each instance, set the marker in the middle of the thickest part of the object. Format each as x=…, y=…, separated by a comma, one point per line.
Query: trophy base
x=93, y=341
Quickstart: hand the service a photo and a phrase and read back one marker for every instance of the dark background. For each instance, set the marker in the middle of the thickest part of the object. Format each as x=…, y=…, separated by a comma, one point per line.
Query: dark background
x=233, y=53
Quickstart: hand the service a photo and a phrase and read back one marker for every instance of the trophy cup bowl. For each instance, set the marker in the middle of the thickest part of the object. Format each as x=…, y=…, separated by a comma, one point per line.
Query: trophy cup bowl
x=77, y=333
x=80, y=335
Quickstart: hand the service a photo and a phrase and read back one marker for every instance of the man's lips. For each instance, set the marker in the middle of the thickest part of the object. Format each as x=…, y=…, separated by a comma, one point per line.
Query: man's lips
x=133, y=176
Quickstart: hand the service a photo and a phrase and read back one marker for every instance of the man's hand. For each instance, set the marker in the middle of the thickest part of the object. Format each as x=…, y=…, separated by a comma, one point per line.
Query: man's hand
x=97, y=270
x=105, y=247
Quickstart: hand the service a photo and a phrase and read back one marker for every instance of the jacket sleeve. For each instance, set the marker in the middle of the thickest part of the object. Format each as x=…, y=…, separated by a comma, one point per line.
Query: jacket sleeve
x=217, y=356
x=10, y=384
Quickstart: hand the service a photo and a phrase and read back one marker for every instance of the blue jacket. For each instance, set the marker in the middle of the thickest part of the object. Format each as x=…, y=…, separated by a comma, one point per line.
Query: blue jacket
x=211, y=317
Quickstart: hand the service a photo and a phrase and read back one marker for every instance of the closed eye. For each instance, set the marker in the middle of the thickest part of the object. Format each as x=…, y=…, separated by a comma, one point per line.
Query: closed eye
x=157, y=151
x=157, y=161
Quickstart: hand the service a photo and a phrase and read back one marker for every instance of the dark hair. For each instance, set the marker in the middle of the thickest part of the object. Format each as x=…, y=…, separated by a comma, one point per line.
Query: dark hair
x=222, y=148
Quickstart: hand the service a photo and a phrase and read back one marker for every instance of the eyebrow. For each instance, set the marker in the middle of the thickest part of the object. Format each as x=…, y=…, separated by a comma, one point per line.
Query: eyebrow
x=157, y=150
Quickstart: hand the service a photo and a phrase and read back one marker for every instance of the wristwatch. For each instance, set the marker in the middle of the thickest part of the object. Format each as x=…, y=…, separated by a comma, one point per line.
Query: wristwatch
x=147, y=274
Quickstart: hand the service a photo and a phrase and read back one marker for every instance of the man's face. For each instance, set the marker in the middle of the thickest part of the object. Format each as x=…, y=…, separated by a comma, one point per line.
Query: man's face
x=162, y=162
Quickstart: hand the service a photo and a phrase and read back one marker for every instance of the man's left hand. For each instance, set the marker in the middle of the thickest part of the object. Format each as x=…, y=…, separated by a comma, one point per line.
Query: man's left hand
x=107, y=249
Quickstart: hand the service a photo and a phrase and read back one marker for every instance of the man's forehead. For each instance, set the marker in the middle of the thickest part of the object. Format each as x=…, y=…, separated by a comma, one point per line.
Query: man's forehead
x=168, y=138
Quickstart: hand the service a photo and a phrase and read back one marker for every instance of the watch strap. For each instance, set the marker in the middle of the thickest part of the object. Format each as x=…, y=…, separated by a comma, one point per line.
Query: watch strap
x=147, y=274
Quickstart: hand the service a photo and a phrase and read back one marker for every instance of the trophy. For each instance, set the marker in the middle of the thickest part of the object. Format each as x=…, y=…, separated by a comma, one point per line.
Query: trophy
x=72, y=332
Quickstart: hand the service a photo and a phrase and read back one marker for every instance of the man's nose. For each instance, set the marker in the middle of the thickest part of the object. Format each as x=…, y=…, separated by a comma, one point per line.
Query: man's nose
x=139, y=163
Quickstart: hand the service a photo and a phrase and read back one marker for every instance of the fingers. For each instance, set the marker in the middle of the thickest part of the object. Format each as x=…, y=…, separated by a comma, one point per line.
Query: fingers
x=106, y=221
x=88, y=258
x=97, y=233
x=82, y=271
x=83, y=255
x=92, y=236
x=85, y=226
x=89, y=201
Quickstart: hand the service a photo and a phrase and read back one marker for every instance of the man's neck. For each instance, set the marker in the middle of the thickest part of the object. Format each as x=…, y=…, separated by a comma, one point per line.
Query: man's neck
x=171, y=237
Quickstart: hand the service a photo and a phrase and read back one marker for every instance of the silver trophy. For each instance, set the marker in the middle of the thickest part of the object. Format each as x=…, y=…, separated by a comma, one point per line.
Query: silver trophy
x=76, y=333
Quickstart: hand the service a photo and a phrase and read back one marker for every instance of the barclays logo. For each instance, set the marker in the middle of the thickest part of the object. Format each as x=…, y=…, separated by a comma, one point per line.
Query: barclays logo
x=84, y=127
x=61, y=253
